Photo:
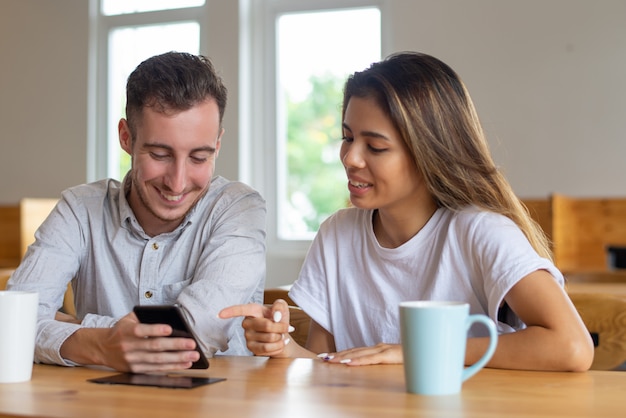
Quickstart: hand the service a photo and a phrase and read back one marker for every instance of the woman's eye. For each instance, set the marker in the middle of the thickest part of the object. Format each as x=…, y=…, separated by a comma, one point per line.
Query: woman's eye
x=347, y=139
x=377, y=150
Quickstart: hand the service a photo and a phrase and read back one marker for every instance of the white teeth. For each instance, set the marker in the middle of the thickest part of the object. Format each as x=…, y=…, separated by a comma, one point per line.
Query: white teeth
x=359, y=185
x=172, y=198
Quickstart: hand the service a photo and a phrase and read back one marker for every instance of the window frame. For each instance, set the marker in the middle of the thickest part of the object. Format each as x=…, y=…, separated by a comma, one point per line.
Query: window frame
x=258, y=161
x=100, y=28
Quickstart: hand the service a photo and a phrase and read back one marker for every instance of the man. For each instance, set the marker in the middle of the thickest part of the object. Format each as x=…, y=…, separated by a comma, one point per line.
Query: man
x=169, y=233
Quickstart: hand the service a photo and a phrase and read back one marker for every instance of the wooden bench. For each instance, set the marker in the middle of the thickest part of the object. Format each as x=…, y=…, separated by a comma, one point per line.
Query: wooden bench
x=604, y=316
x=581, y=229
x=18, y=224
x=541, y=211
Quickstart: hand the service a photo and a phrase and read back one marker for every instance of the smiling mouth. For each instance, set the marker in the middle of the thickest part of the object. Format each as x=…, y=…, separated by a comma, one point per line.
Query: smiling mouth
x=359, y=185
x=172, y=198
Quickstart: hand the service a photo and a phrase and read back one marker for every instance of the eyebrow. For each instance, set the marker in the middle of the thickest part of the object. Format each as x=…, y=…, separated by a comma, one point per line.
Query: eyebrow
x=207, y=148
x=370, y=134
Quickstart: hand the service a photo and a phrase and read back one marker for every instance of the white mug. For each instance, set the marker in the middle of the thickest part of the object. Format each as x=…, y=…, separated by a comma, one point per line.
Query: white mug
x=18, y=326
x=434, y=336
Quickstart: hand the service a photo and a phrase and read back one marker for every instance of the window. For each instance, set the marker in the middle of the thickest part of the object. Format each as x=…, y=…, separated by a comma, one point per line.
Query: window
x=129, y=31
x=118, y=7
x=310, y=51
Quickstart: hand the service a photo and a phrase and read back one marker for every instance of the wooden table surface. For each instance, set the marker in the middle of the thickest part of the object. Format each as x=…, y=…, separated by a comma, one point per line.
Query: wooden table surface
x=614, y=288
x=607, y=276
x=606, y=282
x=295, y=388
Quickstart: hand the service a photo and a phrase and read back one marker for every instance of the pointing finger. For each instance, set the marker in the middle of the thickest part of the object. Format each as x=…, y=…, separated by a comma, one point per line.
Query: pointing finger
x=251, y=310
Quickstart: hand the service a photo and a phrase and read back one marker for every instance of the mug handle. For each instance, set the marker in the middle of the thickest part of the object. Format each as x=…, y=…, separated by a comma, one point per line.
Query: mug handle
x=493, y=341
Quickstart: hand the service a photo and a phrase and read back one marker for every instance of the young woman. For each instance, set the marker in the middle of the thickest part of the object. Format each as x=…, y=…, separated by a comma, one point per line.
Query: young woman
x=432, y=218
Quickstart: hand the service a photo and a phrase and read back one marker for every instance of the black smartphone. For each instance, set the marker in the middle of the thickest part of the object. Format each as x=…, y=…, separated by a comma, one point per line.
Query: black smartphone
x=172, y=316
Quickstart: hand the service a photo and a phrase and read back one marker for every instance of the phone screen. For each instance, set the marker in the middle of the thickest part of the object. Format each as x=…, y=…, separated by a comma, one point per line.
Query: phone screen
x=172, y=316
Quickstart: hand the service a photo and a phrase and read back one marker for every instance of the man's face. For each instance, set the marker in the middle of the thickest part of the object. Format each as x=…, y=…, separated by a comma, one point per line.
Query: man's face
x=173, y=160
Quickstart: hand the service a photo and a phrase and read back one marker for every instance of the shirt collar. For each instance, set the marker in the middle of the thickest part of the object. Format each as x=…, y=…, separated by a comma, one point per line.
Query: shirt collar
x=129, y=220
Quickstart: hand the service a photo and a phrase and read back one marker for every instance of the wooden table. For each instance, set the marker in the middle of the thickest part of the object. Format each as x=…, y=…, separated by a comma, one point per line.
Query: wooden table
x=613, y=288
x=607, y=276
x=300, y=388
x=599, y=282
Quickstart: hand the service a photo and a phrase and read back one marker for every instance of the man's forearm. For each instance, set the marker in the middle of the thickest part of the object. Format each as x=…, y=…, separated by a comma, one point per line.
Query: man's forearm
x=81, y=347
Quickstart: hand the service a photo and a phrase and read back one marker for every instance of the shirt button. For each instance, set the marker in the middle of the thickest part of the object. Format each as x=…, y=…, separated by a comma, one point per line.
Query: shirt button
x=148, y=294
x=155, y=246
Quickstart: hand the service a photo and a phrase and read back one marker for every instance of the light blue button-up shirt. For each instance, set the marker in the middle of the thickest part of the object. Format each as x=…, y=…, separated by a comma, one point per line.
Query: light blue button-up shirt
x=213, y=259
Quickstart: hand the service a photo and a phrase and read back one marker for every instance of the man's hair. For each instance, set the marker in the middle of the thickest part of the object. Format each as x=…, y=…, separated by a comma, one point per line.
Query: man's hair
x=171, y=83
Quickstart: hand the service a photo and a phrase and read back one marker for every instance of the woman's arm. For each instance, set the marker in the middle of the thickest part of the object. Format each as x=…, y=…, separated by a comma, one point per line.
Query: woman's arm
x=555, y=338
x=320, y=341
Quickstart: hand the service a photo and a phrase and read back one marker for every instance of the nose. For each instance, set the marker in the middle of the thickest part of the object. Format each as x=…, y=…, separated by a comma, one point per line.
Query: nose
x=176, y=176
x=351, y=155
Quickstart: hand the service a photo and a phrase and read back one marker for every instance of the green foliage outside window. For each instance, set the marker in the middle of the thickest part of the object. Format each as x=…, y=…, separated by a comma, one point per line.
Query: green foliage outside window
x=314, y=169
x=124, y=163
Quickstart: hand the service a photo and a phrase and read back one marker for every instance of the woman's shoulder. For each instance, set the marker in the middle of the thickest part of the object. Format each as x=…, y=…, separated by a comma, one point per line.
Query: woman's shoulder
x=349, y=214
x=472, y=216
x=345, y=222
x=477, y=228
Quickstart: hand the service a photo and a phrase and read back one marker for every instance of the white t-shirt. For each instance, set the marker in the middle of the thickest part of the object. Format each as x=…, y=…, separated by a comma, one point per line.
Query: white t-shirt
x=351, y=286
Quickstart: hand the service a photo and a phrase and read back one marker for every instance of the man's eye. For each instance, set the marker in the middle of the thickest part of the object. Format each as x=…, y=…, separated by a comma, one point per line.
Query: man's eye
x=199, y=160
x=158, y=156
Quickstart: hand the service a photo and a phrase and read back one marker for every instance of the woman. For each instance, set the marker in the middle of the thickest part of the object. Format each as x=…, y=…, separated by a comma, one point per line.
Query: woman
x=432, y=218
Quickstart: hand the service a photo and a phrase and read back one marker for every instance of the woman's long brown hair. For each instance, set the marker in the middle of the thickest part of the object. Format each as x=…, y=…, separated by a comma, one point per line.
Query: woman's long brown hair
x=432, y=109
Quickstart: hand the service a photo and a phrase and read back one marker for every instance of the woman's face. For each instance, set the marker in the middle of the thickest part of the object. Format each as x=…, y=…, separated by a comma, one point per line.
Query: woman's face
x=381, y=173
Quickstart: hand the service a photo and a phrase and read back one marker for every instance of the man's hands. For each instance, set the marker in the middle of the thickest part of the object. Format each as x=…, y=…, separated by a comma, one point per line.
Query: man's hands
x=131, y=347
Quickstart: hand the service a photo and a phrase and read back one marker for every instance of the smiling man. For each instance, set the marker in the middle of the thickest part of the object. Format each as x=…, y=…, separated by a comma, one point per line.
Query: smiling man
x=170, y=233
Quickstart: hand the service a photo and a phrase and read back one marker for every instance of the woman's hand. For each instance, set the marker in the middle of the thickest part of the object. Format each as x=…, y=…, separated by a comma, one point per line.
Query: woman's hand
x=266, y=327
x=379, y=354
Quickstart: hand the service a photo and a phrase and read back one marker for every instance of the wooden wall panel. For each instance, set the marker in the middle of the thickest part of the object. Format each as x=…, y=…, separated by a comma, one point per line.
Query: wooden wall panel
x=9, y=236
x=582, y=229
x=540, y=210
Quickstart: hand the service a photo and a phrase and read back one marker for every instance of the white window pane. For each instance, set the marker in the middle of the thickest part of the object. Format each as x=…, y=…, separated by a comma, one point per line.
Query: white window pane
x=118, y=7
x=316, y=52
x=127, y=48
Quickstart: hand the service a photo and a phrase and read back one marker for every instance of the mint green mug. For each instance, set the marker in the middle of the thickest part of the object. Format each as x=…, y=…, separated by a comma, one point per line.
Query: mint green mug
x=434, y=336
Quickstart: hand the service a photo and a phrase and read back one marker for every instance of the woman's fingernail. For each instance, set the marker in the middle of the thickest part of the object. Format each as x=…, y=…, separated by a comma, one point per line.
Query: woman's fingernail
x=277, y=316
x=322, y=355
x=287, y=340
x=325, y=356
x=291, y=329
x=345, y=361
